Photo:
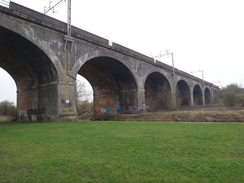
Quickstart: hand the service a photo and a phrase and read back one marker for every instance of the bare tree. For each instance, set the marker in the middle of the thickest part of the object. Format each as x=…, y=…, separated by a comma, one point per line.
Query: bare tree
x=82, y=97
x=81, y=93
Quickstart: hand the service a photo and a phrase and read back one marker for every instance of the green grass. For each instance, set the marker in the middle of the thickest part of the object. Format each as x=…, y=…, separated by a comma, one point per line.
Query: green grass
x=3, y=120
x=122, y=152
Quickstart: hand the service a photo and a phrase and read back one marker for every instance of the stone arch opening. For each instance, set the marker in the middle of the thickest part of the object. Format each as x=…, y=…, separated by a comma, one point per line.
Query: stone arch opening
x=207, y=96
x=197, y=95
x=33, y=73
x=85, y=86
x=157, y=92
x=84, y=96
x=114, y=86
x=8, y=87
x=183, y=94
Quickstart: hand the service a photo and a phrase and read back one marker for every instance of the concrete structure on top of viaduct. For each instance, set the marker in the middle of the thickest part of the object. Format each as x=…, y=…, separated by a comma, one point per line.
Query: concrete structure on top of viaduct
x=44, y=65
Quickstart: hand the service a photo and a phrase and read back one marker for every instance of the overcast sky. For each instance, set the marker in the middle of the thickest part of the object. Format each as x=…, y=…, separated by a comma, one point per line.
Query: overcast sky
x=204, y=35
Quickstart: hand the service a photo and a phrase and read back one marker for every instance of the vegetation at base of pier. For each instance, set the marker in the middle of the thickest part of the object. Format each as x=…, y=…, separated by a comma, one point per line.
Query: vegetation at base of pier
x=84, y=104
x=121, y=152
x=8, y=109
x=210, y=113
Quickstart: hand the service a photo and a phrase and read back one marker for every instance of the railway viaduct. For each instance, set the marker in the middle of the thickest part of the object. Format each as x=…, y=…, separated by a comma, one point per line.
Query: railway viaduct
x=44, y=64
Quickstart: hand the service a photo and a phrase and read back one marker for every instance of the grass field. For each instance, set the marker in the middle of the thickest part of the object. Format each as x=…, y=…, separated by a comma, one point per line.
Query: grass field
x=122, y=152
x=4, y=119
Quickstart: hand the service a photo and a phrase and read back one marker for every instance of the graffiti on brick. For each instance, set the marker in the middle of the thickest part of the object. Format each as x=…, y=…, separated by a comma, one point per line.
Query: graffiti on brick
x=120, y=108
x=108, y=110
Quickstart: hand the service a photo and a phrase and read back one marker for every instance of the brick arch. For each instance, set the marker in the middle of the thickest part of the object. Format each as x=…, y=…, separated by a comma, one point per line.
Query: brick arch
x=114, y=85
x=207, y=96
x=168, y=76
x=197, y=95
x=157, y=92
x=95, y=54
x=183, y=94
x=32, y=70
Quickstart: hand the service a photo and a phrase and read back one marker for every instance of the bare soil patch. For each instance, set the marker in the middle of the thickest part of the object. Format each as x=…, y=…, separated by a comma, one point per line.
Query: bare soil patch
x=5, y=117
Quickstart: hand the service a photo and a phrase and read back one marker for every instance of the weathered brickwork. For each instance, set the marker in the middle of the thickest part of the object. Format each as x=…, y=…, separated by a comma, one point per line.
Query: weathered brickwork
x=44, y=66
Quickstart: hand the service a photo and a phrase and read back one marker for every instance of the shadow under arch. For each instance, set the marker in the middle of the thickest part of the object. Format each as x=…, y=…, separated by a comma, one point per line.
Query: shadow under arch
x=183, y=94
x=207, y=96
x=34, y=75
x=197, y=95
x=114, y=85
x=157, y=92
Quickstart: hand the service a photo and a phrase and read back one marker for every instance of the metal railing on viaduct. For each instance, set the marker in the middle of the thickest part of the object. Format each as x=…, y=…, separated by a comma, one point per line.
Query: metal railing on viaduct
x=44, y=63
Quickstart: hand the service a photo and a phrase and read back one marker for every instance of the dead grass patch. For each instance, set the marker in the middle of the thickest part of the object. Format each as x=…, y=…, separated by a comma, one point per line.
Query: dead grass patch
x=208, y=114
